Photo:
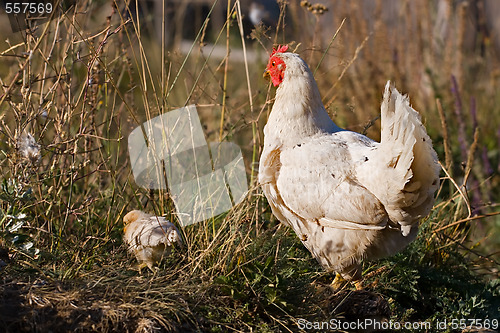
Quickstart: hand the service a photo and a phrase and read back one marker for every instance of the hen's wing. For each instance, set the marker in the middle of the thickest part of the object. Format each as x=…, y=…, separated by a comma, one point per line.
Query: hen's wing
x=317, y=182
x=269, y=167
x=402, y=172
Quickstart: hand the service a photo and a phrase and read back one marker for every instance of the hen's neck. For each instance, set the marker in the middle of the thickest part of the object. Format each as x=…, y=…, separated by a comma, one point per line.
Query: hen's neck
x=298, y=111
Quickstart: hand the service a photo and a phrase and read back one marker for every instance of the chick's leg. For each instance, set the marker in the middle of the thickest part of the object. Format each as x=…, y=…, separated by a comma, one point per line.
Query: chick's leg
x=140, y=266
x=151, y=266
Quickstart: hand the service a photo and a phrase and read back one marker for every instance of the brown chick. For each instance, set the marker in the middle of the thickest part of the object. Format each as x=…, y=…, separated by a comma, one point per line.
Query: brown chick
x=149, y=237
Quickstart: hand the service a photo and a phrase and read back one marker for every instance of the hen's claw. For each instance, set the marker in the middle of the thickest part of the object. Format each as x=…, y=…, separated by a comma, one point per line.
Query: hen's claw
x=338, y=282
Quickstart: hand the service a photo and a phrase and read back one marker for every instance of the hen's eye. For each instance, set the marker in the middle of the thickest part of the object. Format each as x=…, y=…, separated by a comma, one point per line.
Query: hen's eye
x=273, y=64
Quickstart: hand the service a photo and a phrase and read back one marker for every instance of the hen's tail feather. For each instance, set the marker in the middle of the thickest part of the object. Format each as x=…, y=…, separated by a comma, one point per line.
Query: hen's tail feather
x=412, y=160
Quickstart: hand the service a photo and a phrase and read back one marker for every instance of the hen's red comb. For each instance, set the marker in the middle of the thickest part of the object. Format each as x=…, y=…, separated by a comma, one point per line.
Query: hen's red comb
x=280, y=49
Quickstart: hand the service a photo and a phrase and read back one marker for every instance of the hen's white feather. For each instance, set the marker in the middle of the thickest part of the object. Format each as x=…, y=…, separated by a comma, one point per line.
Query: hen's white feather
x=346, y=196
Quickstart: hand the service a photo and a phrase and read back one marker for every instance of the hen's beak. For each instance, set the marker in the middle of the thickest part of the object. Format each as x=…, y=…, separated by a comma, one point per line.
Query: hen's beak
x=266, y=75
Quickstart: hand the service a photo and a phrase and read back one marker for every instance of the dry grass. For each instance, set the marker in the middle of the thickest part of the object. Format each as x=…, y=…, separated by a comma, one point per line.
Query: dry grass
x=82, y=81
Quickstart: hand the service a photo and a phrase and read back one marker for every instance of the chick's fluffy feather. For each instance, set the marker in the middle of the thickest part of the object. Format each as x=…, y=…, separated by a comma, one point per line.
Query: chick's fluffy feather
x=149, y=237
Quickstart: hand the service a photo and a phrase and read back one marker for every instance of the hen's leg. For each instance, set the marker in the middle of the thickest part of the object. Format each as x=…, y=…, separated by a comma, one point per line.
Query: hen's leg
x=338, y=282
x=350, y=274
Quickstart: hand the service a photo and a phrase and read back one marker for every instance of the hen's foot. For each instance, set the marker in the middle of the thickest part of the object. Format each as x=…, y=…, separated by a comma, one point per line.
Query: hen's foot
x=338, y=282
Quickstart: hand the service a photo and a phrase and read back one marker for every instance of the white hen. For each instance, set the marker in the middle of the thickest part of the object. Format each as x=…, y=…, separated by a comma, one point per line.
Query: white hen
x=149, y=237
x=347, y=197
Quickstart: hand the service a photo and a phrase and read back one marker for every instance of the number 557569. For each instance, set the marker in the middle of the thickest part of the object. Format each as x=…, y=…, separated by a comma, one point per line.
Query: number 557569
x=28, y=7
